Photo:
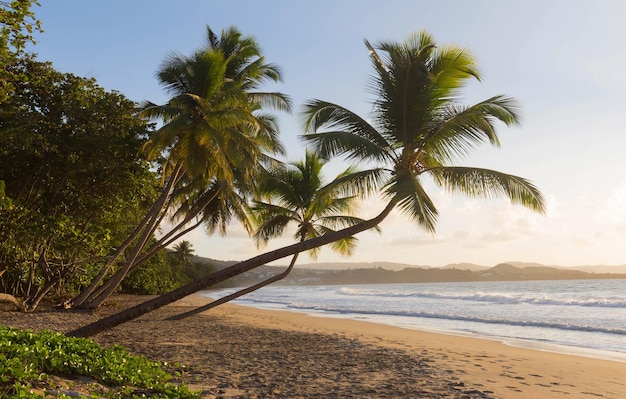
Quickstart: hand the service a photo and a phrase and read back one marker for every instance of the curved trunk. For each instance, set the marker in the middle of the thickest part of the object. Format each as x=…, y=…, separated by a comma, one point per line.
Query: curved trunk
x=137, y=259
x=110, y=261
x=237, y=294
x=8, y=298
x=97, y=296
x=88, y=292
x=224, y=274
x=104, y=291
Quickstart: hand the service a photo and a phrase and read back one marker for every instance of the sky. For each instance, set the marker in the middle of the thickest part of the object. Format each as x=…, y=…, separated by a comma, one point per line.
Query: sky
x=563, y=60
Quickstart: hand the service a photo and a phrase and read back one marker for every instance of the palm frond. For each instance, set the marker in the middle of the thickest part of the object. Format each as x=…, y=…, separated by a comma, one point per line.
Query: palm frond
x=273, y=100
x=295, y=194
x=337, y=222
x=360, y=183
x=267, y=134
x=353, y=137
x=450, y=67
x=461, y=129
x=378, y=62
x=268, y=210
x=406, y=190
x=153, y=111
x=271, y=228
x=486, y=183
x=344, y=246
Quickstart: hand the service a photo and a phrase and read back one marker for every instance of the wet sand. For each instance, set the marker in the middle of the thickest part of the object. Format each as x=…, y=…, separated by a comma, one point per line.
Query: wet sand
x=239, y=352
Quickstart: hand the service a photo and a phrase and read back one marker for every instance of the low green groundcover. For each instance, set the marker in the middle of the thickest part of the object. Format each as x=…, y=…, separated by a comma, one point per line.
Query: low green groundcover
x=44, y=364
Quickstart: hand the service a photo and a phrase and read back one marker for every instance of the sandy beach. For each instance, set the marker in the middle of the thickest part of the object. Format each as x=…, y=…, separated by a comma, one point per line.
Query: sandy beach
x=239, y=352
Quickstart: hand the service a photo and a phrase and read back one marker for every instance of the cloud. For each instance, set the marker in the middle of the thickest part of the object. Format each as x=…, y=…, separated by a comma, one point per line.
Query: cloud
x=415, y=240
x=613, y=210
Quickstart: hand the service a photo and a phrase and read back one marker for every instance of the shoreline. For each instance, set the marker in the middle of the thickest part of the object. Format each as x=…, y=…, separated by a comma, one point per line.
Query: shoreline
x=565, y=350
x=589, y=353
x=235, y=351
x=501, y=365
x=548, y=347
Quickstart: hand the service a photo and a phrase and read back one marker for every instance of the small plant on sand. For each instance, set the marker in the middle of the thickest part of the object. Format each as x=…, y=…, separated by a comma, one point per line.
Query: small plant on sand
x=29, y=359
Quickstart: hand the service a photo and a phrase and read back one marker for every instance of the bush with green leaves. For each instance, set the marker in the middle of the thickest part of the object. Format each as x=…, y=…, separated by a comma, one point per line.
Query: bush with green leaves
x=74, y=185
x=28, y=358
x=164, y=273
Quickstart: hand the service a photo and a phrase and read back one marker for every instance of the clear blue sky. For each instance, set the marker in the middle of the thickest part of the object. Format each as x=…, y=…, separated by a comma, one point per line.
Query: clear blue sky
x=564, y=60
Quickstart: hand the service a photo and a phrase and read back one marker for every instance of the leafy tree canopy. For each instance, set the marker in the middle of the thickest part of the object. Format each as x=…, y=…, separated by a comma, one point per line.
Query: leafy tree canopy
x=68, y=157
x=214, y=138
x=17, y=24
x=419, y=130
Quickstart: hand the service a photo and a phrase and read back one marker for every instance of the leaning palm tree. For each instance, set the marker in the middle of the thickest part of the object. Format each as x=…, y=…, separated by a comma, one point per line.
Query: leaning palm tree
x=295, y=195
x=419, y=129
x=214, y=133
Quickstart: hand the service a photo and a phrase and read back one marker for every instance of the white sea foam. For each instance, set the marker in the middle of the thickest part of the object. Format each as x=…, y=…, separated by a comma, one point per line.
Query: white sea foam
x=501, y=298
x=584, y=315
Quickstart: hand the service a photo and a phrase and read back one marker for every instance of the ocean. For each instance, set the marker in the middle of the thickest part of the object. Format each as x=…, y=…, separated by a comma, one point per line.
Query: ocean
x=582, y=317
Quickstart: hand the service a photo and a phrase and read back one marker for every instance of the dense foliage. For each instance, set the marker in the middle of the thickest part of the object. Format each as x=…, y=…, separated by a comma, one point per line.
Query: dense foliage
x=295, y=194
x=73, y=183
x=419, y=130
x=214, y=138
x=17, y=24
x=86, y=183
x=165, y=272
x=28, y=360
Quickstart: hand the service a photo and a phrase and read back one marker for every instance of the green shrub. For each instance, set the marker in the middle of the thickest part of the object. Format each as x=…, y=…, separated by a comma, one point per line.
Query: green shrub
x=165, y=273
x=27, y=357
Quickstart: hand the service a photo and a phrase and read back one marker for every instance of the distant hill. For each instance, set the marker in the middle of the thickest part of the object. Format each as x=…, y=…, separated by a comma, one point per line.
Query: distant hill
x=602, y=269
x=500, y=272
x=218, y=264
x=619, y=269
x=355, y=265
x=388, y=273
x=507, y=271
x=384, y=265
x=465, y=266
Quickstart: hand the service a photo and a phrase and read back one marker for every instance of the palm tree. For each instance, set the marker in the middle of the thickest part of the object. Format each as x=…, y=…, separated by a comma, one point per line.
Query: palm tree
x=214, y=134
x=419, y=129
x=184, y=250
x=296, y=195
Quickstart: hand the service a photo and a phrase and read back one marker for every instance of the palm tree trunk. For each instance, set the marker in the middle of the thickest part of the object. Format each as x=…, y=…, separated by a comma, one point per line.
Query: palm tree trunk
x=88, y=292
x=237, y=294
x=156, y=247
x=8, y=298
x=156, y=214
x=109, y=286
x=224, y=274
x=173, y=234
x=135, y=260
x=103, y=292
x=80, y=299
